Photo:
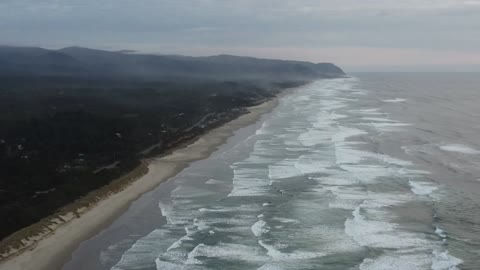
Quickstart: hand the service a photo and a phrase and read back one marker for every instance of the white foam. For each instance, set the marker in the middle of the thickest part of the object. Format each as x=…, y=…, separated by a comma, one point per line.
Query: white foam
x=296, y=149
x=314, y=137
x=370, y=111
x=395, y=100
x=248, y=181
x=397, y=262
x=390, y=124
x=386, y=126
x=194, y=253
x=376, y=201
x=163, y=265
x=445, y=261
x=259, y=228
x=360, y=93
x=214, y=182
x=269, y=266
x=166, y=210
x=313, y=163
x=346, y=132
x=348, y=155
x=107, y=256
x=189, y=192
x=369, y=173
x=343, y=205
x=224, y=209
x=226, y=251
x=427, y=149
x=340, y=180
x=285, y=220
x=258, y=159
x=325, y=119
x=263, y=129
x=145, y=250
x=179, y=242
x=460, y=148
x=330, y=105
x=422, y=188
x=378, y=119
x=330, y=149
x=200, y=224
x=283, y=169
x=346, y=197
x=277, y=255
x=440, y=232
x=380, y=234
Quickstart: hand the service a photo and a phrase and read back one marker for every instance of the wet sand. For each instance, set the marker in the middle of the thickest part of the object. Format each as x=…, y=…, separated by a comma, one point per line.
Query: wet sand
x=53, y=251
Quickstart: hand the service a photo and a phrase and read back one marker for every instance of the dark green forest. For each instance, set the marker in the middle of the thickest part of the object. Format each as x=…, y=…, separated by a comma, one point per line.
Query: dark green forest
x=61, y=138
x=74, y=119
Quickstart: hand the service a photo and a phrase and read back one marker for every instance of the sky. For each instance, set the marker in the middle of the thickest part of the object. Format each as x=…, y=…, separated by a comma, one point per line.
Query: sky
x=358, y=35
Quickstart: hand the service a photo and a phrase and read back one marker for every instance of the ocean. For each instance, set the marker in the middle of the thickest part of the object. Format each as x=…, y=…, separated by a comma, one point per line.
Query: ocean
x=375, y=171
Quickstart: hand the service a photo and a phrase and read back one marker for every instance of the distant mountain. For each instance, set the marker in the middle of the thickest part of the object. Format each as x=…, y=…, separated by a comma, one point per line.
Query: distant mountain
x=81, y=62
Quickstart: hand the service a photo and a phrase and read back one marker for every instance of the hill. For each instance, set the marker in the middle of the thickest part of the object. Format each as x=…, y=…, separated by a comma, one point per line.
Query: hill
x=72, y=120
x=84, y=62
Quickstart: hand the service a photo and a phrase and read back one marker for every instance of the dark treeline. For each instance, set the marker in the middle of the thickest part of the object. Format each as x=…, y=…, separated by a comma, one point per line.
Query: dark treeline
x=73, y=120
x=54, y=140
x=83, y=62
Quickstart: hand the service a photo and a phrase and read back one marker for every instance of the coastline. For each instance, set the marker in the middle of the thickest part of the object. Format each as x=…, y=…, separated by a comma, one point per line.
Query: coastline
x=52, y=250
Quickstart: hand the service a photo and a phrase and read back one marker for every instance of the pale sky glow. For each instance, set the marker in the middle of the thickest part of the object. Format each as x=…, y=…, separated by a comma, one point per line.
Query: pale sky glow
x=357, y=35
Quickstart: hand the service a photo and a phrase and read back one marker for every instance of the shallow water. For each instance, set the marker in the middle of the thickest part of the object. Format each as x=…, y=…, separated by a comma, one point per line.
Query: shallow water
x=378, y=171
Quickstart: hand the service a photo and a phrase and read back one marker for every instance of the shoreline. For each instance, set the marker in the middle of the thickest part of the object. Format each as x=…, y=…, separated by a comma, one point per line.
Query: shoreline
x=54, y=249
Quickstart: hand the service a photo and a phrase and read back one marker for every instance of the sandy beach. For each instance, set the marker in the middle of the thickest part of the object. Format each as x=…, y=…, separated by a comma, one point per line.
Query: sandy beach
x=51, y=252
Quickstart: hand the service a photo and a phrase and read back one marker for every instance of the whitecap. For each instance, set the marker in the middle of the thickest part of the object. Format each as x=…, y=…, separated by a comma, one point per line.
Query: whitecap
x=283, y=169
x=460, y=148
x=440, y=232
x=313, y=163
x=396, y=262
x=369, y=173
x=263, y=129
x=370, y=111
x=422, y=188
x=386, y=126
x=248, y=181
x=163, y=265
x=395, y=100
x=200, y=224
x=270, y=266
x=285, y=220
x=143, y=253
x=378, y=119
x=314, y=137
x=259, y=228
x=214, y=182
x=337, y=180
x=278, y=255
x=346, y=132
x=445, y=261
x=380, y=234
x=226, y=251
x=189, y=192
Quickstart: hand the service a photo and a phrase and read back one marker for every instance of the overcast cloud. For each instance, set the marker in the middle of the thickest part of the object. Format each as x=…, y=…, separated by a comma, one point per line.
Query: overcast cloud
x=358, y=35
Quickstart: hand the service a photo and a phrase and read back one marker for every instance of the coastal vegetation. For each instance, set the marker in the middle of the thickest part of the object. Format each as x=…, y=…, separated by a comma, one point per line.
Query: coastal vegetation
x=73, y=120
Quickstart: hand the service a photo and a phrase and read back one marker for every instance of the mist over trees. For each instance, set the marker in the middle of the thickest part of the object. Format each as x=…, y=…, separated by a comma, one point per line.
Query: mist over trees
x=74, y=119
